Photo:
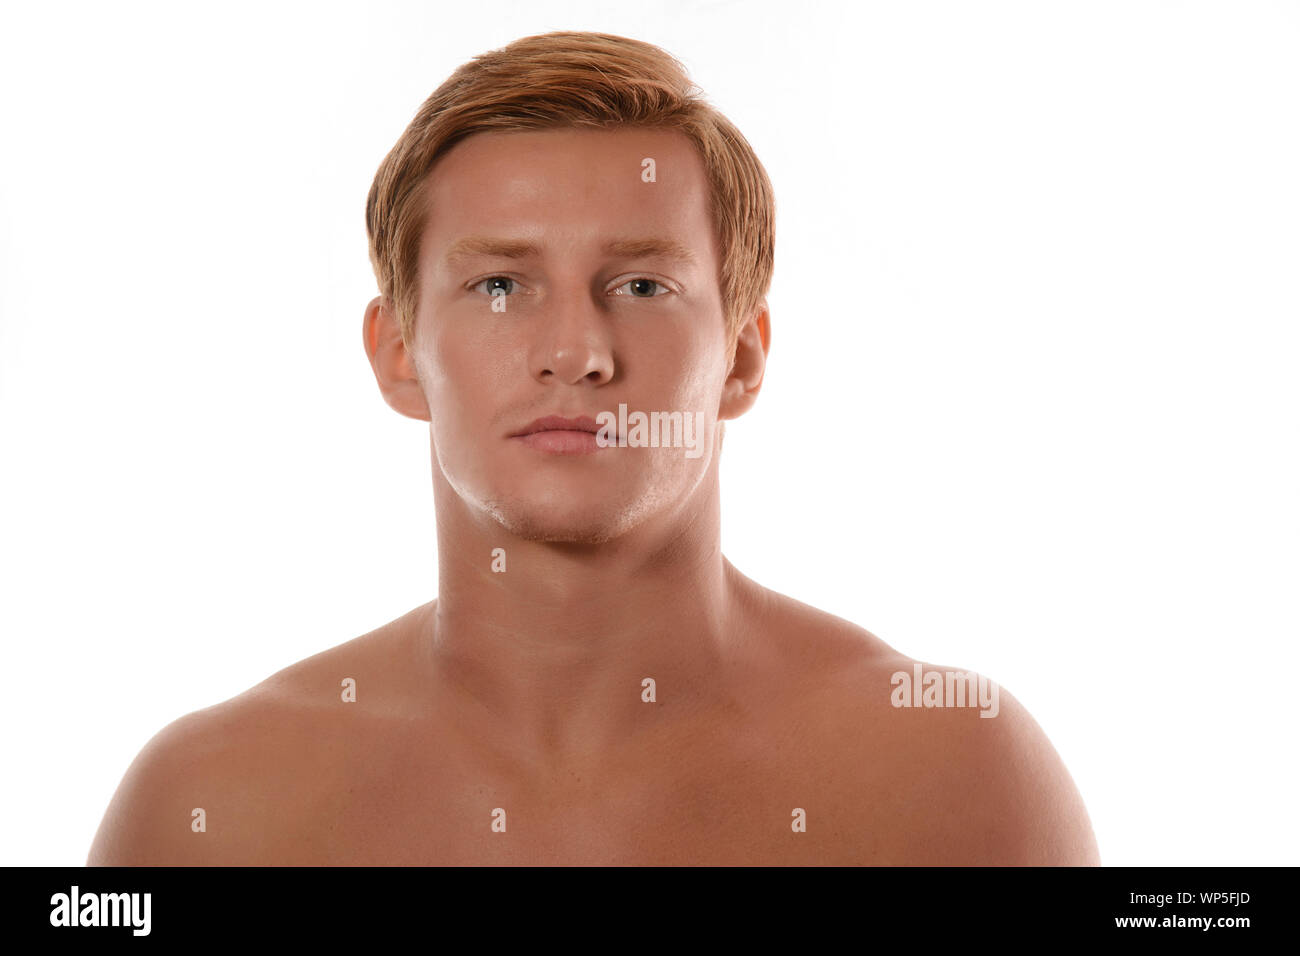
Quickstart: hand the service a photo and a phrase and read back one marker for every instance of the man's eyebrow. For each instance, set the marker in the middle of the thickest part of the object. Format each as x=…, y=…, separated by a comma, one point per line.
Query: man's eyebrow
x=523, y=249
x=649, y=248
x=487, y=246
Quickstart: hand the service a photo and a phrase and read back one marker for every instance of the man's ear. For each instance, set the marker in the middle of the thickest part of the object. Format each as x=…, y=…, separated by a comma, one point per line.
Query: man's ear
x=392, y=364
x=740, y=391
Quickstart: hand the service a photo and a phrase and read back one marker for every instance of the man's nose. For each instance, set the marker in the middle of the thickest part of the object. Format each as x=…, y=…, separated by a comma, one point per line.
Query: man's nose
x=574, y=340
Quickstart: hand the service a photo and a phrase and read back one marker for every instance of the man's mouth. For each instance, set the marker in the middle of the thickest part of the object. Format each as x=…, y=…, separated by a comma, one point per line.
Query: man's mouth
x=557, y=435
x=553, y=423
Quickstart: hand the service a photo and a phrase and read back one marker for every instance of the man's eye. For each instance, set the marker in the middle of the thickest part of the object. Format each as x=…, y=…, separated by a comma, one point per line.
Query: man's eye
x=497, y=285
x=638, y=288
x=642, y=288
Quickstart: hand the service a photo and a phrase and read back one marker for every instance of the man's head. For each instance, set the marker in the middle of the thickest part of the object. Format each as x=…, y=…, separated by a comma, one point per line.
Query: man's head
x=622, y=281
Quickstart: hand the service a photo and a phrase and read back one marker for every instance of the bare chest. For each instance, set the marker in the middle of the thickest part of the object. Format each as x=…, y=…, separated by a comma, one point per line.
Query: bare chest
x=386, y=805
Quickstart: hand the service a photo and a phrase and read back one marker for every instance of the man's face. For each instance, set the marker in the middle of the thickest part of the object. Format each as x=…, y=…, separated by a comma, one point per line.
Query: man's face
x=583, y=329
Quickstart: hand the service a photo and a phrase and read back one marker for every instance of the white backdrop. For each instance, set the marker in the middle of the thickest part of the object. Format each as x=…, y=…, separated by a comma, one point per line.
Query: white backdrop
x=1031, y=406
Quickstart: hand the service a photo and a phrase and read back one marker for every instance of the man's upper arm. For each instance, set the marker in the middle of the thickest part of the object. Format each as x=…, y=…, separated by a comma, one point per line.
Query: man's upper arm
x=151, y=819
x=1013, y=802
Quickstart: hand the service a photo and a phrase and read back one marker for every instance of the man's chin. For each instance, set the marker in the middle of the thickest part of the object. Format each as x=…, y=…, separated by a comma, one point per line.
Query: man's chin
x=547, y=526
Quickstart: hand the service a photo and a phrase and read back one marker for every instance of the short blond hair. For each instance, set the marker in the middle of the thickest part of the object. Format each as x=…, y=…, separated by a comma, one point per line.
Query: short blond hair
x=565, y=80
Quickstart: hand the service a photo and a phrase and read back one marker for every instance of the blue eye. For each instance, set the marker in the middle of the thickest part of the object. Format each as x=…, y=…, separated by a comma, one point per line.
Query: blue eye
x=643, y=288
x=498, y=289
x=643, y=282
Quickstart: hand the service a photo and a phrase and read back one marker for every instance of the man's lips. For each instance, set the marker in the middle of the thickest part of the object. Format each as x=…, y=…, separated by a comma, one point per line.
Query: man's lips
x=557, y=423
x=561, y=436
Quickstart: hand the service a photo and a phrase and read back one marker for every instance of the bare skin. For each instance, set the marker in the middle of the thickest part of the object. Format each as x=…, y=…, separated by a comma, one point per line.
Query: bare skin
x=521, y=692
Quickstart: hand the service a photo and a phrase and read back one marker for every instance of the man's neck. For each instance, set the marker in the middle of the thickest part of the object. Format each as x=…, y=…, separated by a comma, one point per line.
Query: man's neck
x=554, y=649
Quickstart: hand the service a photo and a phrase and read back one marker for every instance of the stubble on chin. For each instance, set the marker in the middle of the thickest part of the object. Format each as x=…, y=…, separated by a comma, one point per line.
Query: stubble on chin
x=533, y=522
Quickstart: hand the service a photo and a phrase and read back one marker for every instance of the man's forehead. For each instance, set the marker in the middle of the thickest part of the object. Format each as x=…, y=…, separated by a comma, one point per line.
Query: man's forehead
x=559, y=144
x=572, y=165
x=493, y=191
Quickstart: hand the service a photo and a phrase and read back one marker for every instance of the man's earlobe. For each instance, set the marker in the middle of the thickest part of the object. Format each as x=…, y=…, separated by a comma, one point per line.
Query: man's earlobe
x=746, y=377
x=390, y=361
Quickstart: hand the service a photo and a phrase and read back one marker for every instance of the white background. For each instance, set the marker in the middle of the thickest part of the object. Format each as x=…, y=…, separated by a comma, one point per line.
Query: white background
x=1031, y=406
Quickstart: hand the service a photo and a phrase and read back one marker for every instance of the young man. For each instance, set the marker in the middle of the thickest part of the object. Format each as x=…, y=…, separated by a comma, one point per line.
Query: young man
x=566, y=238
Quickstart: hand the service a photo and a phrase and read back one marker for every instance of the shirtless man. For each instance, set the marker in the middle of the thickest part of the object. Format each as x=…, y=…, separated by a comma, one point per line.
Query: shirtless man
x=595, y=683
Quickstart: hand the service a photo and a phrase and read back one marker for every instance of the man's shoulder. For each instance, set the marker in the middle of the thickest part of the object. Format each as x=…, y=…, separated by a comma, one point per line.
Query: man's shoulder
x=188, y=797
x=953, y=761
x=810, y=645
x=291, y=701
x=184, y=799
